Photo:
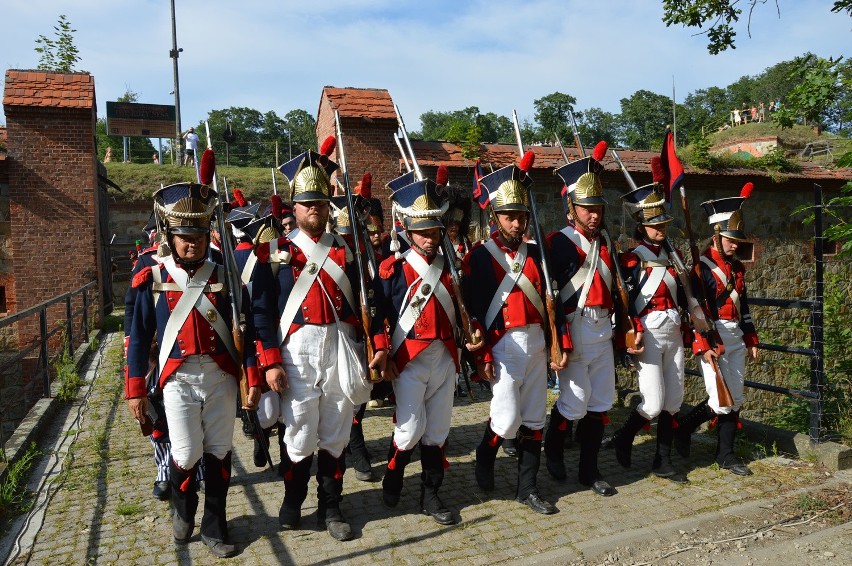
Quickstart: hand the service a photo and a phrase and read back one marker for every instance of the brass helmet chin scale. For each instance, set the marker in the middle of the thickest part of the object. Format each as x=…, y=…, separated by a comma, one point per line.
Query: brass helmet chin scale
x=582, y=183
x=183, y=208
x=418, y=205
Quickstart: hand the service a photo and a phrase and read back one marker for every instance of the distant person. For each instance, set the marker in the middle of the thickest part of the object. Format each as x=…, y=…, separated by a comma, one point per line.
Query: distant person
x=771, y=106
x=156, y=159
x=108, y=154
x=744, y=113
x=753, y=113
x=737, y=118
x=761, y=112
x=191, y=147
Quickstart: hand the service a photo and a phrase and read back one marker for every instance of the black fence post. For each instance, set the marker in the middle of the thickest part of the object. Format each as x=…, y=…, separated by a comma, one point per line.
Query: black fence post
x=817, y=362
x=43, y=359
x=86, y=313
x=69, y=326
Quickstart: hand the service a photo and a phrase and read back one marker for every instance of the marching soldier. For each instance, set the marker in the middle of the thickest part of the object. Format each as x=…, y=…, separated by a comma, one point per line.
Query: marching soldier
x=421, y=311
x=583, y=268
x=505, y=290
x=252, y=230
x=184, y=301
x=301, y=314
x=655, y=295
x=722, y=276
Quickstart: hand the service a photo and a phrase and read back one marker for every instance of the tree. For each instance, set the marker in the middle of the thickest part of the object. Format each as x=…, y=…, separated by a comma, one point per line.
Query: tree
x=644, y=117
x=818, y=89
x=302, y=129
x=60, y=54
x=596, y=125
x=552, y=112
x=721, y=16
x=704, y=109
x=140, y=150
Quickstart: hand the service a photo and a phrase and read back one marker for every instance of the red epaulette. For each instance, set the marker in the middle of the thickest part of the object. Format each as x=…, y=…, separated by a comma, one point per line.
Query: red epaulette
x=386, y=267
x=142, y=277
x=629, y=260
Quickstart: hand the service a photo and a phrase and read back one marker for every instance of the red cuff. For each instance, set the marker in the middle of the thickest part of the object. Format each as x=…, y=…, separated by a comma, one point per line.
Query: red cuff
x=637, y=325
x=134, y=388
x=483, y=355
x=381, y=341
x=567, y=343
x=750, y=339
x=268, y=357
x=700, y=345
x=253, y=377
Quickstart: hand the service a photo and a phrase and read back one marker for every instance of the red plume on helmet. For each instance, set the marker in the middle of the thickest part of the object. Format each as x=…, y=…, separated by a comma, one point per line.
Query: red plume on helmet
x=600, y=150
x=276, y=204
x=239, y=199
x=657, y=169
x=208, y=167
x=442, y=177
x=747, y=189
x=527, y=161
x=366, y=186
x=326, y=149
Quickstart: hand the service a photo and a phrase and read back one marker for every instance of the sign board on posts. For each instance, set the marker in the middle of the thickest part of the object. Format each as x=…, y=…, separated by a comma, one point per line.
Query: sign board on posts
x=142, y=120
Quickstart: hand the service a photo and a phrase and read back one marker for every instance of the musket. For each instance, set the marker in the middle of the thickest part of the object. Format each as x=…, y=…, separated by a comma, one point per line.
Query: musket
x=446, y=246
x=274, y=183
x=402, y=152
x=625, y=322
x=550, y=289
x=235, y=291
x=366, y=310
x=561, y=148
x=225, y=184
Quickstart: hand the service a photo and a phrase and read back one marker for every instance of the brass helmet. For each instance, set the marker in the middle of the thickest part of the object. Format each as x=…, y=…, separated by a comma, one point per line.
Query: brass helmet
x=647, y=205
x=508, y=189
x=582, y=179
x=185, y=208
x=309, y=174
x=725, y=215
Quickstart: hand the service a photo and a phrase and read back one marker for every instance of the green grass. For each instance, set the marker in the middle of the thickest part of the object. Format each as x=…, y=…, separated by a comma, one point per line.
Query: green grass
x=14, y=497
x=795, y=137
x=127, y=508
x=139, y=181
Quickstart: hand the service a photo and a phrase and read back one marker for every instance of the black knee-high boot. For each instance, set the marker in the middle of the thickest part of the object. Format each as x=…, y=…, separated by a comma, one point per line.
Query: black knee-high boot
x=214, y=522
x=688, y=424
x=432, y=476
x=356, y=451
x=296, y=479
x=662, y=466
x=486, y=454
x=622, y=439
x=589, y=435
x=258, y=455
x=184, y=501
x=285, y=463
x=726, y=425
x=329, y=494
x=394, y=474
x=558, y=429
x=528, y=443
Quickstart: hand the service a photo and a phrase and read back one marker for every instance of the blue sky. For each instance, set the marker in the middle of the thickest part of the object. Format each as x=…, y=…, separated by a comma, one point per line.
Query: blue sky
x=431, y=55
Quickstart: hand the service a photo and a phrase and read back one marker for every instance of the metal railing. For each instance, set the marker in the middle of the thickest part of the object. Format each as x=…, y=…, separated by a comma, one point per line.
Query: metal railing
x=816, y=349
x=79, y=318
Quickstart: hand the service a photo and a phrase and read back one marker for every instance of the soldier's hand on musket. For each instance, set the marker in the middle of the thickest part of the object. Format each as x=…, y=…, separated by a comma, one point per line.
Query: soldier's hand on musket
x=753, y=354
x=477, y=336
x=562, y=364
x=625, y=358
x=699, y=320
x=640, y=347
x=486, y=371
x=139, y=409
x=379, y=361
x=276, y=378
x=252, y=398
x=710, y=355
x=391, y=372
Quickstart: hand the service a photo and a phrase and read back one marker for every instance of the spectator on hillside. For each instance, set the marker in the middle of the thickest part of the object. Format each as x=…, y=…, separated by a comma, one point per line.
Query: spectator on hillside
x=108, y=154
x=744, y=113
x=191, y=147
x=156, y=159
x=761, y=112
x=737, y=118
x=753, y=113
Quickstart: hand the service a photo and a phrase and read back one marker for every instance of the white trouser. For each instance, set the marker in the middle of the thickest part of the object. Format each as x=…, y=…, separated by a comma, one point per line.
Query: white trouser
x=731, y=363
x=199, y=399
x=268, y=409
x=661, y=368
x=313, y=407
x=520, y=381
x=588, y=383
x=424, y=398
